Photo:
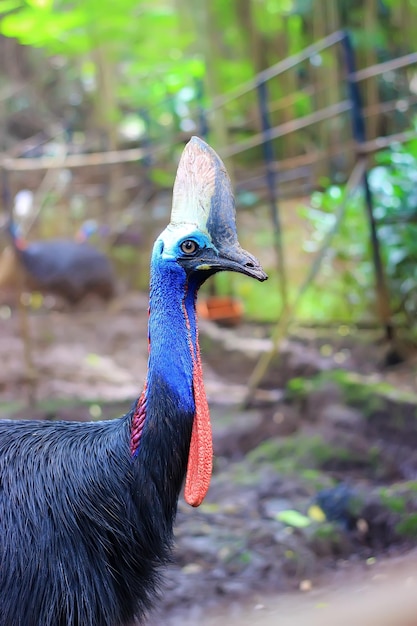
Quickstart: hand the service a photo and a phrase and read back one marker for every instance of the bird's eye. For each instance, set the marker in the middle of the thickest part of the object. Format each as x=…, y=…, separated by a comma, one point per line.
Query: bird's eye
x=189, y=246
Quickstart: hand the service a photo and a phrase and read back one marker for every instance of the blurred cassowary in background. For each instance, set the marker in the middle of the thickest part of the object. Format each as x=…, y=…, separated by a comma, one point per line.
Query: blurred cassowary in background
x=63, y=267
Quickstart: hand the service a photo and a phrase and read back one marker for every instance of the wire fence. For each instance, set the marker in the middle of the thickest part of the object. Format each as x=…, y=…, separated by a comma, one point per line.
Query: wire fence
x=288, y=139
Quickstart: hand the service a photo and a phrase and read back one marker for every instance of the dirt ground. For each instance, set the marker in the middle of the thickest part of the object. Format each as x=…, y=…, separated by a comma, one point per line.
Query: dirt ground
x=346, y=468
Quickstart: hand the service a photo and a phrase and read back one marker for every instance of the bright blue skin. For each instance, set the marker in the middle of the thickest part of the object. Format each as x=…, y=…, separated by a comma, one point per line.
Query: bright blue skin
x=170, y=291
x=168, y=333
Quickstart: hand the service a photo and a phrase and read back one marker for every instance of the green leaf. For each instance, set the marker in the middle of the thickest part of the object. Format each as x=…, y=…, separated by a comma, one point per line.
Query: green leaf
x=293, y=518
x=161, y=178
x=40, y=4
x=37, y=28
x=9, y=5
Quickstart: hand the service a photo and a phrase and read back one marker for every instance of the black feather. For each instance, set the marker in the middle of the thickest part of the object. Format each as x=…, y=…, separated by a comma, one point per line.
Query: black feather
x=84, y=526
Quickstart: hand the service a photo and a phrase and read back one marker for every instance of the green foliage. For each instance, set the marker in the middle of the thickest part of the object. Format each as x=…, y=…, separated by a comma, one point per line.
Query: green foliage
x=394, y=502
x=161, y=178
x=252, y=294
x=408, y=526
x=357, y=389
x=345, y=286
x=77, y=27
x=298, y=452
x=300, y=387
x=328, y=532
x=145, y=42
x=157, y=49
x=394, y=186
x=39, y=24
x=315, y=479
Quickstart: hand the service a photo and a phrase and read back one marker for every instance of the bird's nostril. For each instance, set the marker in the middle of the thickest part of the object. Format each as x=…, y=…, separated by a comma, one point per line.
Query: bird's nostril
x=249, y=264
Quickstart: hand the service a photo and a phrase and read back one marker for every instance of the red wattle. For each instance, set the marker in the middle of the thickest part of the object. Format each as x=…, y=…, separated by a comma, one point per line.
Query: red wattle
x=200, y=459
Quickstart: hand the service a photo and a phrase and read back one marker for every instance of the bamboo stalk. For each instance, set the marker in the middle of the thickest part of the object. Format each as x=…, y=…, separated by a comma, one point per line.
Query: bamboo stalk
x=371, y=86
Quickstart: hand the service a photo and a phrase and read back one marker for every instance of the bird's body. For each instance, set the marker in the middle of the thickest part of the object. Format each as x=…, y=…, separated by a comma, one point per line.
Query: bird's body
x=87, y=509
x=63, y=267
x=98, y=511
x=85, y=519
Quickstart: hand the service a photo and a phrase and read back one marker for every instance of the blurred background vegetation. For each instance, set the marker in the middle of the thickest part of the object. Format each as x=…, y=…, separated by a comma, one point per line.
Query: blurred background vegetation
x=92, y=77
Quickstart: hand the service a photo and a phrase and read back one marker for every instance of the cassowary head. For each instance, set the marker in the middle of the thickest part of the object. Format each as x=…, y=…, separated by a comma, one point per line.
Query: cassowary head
x=202, y=235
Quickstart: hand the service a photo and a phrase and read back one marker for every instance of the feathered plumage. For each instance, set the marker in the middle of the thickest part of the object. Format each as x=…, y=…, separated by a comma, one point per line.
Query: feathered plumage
x=63, y=267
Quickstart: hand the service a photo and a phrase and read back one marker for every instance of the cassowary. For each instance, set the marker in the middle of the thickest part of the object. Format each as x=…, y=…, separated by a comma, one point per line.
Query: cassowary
x=63, y=267
x=87, y=509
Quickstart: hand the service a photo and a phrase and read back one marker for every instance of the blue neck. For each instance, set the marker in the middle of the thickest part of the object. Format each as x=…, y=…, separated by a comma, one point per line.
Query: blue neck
x=162, y=454
x=172, y=320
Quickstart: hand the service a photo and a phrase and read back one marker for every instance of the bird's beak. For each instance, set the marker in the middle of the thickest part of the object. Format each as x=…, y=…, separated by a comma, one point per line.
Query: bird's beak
x=203, y=197
x=233, y=259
